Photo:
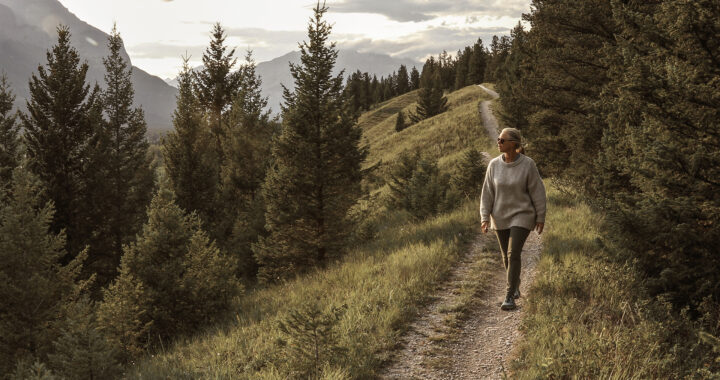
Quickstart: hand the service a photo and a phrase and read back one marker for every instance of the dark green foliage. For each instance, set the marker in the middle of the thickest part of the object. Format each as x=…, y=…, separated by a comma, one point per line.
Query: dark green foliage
x=310, y=343
x=414, y=78
x=499, y=49
x=358, y=92
x=431, y=101
x=661, y=159
x=417, y=186
x=400, y=122
x=61, y=119
x=121, y=179
x=81, y=351
x=123, y=315
x=470, y=174
x=246, y=149
x=399, y=179
x=216, y=84
x=316, y=174
x=461, y=71
x=477, y=63
x=172, y=280
x=9, y=133
x=32, y=370
x=568, y=42
x=426, y=189
x=34, y=285
x=403, y=80
x=446, y=69
x=619, y=100
x=190, y=159
x=511, y=82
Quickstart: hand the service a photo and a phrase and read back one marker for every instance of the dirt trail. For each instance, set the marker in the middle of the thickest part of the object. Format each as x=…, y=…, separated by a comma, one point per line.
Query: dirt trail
x=481, y=345
x=489, y=121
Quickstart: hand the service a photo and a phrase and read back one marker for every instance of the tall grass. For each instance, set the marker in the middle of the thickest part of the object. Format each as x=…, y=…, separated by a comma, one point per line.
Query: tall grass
x=383, y=283
x=588, y=314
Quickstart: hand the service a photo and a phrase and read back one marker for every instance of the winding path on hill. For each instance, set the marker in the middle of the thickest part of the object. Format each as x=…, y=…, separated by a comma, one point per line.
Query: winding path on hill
x=489, y=121
x=480, y=346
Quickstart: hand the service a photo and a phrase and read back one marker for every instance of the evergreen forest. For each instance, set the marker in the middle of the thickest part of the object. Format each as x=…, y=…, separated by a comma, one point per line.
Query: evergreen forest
x=247, y=245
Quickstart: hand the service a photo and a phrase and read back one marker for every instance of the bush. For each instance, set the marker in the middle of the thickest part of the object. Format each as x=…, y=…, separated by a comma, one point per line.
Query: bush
x=416, y=185
x=311, y=345
x=172, y=280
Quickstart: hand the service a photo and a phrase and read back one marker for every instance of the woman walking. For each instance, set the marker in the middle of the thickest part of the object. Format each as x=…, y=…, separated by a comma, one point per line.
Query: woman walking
x=512, y=204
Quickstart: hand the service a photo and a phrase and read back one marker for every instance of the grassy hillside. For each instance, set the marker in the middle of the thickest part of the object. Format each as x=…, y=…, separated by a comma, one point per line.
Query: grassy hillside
x=589, y=317
x=379, y=285
x=443, y=137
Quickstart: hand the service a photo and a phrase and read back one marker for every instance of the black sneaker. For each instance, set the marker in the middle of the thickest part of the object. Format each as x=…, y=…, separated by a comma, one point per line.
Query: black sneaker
x=516, y=295
x=509, y=303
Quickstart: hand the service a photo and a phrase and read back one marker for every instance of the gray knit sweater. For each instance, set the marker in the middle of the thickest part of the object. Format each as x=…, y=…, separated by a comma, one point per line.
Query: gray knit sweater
x=513, y=194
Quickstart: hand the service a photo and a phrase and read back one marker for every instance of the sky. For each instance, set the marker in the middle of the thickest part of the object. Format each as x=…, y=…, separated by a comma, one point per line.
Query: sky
x=158, y=33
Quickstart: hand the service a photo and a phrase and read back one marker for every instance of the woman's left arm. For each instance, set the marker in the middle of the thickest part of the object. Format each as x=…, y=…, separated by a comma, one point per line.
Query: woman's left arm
x=536, y=188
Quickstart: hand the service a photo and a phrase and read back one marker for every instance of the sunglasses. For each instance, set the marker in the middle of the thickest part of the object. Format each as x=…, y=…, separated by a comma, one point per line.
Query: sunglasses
x=502, y=141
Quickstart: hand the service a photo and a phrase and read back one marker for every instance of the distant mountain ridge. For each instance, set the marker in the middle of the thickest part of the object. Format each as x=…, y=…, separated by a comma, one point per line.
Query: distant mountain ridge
x=28, y=30
x=276, y=72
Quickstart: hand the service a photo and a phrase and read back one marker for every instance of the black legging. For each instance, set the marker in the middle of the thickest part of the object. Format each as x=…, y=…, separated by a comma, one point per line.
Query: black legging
x=515, y=236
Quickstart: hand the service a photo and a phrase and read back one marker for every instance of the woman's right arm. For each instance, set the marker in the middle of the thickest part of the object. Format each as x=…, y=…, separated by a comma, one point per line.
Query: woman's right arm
x=487, y=199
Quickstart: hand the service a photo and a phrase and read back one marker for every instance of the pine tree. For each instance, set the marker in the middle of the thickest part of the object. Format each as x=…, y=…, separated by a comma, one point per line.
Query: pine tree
x=569, y=41
x=399, y=178
x=375, y=90
x=9, y=133
x=310, y=341
x=34, y=285
x=461, y=71
x=60, y=121
x=400, y=122
x=247, y=157
x=414, y=78
x=172, y=279
x=81, y=351
x=122, y=176
x=660, y=153
x=426, y=189
x=190, y=159
x=511, y=82
x=431, y=101
x=403, y=80
x=470, y=174
x=477, y=64
x=216, y=84
x=316, y=176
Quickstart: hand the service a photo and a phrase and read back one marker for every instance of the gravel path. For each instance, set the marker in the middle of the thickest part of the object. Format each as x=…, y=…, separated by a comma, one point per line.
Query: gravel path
x=480, y=347
x=488, y=118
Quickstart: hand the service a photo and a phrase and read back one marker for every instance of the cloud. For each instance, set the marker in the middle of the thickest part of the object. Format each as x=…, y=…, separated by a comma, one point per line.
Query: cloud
x=421, y=10
x=164, y=50
x=258, y=36
x=431, y=41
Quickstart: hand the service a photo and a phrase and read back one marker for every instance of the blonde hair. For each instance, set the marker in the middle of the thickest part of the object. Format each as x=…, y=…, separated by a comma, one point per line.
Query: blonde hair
x=516, y=136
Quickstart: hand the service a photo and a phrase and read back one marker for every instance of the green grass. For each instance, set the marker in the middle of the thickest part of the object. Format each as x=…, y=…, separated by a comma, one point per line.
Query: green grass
x=383, y=281
x=444, y=137
x=588, y=315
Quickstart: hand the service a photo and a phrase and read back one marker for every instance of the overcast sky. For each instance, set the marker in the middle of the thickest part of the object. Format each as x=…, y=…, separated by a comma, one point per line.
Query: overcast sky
x=158, y=32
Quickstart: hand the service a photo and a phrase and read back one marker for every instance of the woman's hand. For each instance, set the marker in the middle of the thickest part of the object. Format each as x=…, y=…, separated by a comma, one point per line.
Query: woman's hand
x=484, y=227
x=539, y=227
